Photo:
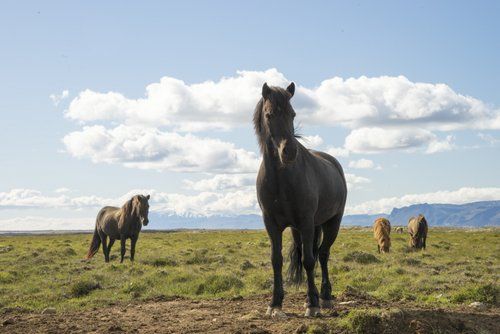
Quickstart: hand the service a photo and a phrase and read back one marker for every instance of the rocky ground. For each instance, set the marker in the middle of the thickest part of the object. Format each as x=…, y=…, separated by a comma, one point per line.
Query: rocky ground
x=181, y=315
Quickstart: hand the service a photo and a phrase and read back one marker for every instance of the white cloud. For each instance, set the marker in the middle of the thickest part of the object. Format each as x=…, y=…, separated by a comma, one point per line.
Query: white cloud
x=441, y=145
x=362, y=164
x=150, y=148
x=352, y=102
x=62, y=190
x=489, y=139
x=222, y=182
x=171, y=102
x=378, y=140
x=57, y=98
x=375, y=140
x=30, y=198
x=355, y=181
x=312, y=142
x=383, y=114
x=337, y=151
x=460, y=196
x=35, y=223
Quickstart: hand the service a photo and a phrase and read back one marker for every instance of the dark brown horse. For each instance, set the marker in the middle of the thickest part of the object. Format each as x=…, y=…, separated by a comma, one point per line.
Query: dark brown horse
x=417, y=228
x=120, y=224
x=298, y=188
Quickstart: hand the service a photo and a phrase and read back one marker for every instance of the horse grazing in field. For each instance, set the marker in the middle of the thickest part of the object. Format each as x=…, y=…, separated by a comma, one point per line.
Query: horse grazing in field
x=120, y=223
x=382, y=233
x=298, y=188
x=417, y=228
x=399, y=230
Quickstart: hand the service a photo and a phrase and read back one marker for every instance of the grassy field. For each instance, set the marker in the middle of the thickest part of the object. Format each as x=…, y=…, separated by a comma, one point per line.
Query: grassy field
x=38, y=271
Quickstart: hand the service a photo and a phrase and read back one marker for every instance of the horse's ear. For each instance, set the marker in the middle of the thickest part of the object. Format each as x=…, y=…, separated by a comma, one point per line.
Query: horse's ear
x=291, y=89
x=266, y=91
x=148, y=197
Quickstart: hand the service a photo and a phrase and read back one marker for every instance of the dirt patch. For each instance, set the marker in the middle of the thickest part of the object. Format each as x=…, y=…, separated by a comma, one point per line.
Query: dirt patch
x=246, y=315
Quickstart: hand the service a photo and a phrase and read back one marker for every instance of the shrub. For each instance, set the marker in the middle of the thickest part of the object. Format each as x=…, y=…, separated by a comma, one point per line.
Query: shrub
x=83, y=287
x=488, y=293
x=219, y=283
x=135, y=289
x=362, y=321
x=360, y=257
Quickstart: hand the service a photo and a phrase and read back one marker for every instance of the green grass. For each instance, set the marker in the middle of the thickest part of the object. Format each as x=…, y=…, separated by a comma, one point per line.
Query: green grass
x=459, y=266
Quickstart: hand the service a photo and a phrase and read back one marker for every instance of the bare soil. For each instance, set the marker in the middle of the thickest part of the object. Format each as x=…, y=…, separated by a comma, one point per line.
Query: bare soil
x=238, y=315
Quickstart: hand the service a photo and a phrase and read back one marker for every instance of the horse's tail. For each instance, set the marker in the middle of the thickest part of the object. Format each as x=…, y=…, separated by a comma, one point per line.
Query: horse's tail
x=295, y=272
x=94, y=245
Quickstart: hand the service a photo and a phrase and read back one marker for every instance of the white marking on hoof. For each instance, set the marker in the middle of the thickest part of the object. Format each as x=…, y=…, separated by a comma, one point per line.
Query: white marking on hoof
x=325, y=303
x=313, y=312
x=275, y=312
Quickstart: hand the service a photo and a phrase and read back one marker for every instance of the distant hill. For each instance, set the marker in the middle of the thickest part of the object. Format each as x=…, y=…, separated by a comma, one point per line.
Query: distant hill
x=476, y=214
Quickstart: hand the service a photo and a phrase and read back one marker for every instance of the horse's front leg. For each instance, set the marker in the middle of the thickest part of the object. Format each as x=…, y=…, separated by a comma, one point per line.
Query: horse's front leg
x=133, y=241
x=123, y=239
x=309, y=260
x=276, y=237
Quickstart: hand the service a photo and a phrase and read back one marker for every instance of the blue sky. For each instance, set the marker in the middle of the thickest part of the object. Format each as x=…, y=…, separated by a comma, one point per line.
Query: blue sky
x=450, y=154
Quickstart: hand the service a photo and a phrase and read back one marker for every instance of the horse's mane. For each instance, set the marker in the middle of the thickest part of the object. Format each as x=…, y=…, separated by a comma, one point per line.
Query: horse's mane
x=127, y=211
x=278, y=96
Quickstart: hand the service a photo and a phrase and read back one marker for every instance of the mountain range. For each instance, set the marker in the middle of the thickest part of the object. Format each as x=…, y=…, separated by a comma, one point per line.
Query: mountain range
x=477, y=214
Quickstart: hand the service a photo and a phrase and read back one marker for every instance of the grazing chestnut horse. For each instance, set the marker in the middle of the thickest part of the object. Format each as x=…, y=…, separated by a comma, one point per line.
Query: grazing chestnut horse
x=382, y=233
x=417, y=228
x=298, y=188
x=120, y=223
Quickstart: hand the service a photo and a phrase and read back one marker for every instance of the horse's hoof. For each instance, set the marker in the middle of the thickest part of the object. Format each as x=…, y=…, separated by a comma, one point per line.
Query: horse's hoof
x=313, y=312
x=325, y=303
x=275, y=312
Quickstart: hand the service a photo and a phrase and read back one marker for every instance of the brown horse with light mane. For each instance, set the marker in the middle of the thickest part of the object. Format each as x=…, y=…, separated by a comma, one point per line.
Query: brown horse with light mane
x=120, y=224
x=382, y=233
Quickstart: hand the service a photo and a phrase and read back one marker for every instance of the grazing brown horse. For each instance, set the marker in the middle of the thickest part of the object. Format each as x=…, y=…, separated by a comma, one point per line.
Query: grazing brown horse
x=120, y=223
x=298, y=188
x=382, y=233
x=399, y=230
x=417, y=228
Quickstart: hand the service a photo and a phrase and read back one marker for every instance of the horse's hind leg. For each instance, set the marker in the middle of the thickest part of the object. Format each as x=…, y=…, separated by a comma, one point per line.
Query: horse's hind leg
x=330, y=232
x=111, y=243
x=104, y=241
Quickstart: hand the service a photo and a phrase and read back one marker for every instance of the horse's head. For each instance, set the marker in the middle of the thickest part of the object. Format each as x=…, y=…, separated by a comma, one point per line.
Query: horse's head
x=273, y=122
x=140, y=208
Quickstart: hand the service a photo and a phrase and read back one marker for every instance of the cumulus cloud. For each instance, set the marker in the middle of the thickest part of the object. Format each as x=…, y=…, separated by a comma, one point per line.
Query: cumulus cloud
x=341, y=152
x=187, y=107
x=311, y=141
x=378, y=140
x=460, y=196
x=36, y=223
x=150, y=148
x=57, y=98
x=221, y=182
x=352, y=102
x=30, y=198
x=355, y=181
x=155, y=131
x=436, y=145
x=362, y=164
